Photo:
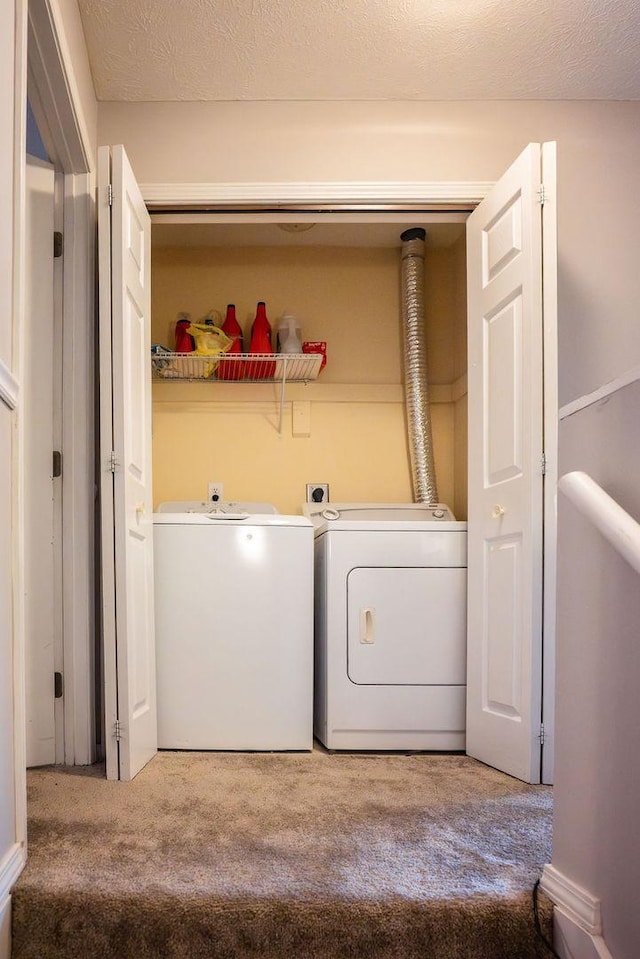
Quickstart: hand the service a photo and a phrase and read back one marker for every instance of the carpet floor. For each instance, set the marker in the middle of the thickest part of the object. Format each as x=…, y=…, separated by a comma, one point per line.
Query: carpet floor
x=283, y=856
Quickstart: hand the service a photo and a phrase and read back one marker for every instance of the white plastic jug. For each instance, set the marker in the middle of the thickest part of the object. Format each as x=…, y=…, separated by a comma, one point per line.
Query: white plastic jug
x=289, y=338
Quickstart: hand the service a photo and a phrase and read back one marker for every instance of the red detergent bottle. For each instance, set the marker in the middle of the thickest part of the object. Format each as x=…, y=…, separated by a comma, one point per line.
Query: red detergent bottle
x=261, y=369
x=184, y=341
x=232, y=369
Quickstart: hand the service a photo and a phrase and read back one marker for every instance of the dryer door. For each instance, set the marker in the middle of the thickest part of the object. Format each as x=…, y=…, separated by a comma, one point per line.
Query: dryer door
x=407, y=626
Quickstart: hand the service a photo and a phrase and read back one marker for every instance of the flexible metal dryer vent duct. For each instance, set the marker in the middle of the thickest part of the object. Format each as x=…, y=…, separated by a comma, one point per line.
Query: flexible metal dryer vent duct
x=425, y=489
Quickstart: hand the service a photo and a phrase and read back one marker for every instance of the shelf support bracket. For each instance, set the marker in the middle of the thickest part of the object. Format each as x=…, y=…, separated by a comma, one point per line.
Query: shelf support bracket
x=282, y=386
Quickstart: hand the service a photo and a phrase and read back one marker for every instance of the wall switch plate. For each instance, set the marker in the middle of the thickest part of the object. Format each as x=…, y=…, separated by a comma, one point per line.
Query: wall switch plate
x=301, y=418
x=317, y=492
x=215, y=492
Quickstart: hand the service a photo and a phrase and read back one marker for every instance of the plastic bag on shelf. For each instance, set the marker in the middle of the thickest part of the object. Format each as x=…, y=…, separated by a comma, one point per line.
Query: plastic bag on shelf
x=210, y=340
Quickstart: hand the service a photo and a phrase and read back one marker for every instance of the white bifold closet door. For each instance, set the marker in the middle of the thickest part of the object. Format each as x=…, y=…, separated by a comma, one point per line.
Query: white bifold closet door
x=124, y=229
x=506, y=470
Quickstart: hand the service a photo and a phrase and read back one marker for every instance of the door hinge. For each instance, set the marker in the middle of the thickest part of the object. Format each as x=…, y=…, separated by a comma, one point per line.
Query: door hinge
x=56, y=469
x=113, y=461
x=58, y=244
x=57, y=685
x=117, y=729
x=110, y=195
x=543, y=464
x=542, y=196
x=541, y=734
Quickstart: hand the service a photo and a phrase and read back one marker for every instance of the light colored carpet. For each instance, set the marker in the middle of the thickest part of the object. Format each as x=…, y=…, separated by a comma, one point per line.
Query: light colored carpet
x=283, y=856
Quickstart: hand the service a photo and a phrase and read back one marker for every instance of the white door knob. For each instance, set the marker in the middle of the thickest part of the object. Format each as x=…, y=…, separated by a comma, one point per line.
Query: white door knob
x=497, y=511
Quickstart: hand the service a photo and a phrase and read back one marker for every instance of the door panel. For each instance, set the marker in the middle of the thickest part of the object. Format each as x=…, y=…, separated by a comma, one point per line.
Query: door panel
x=128, y=601
x=503, y=389
x=504, y=255
x=502, y=239
x=501, y=690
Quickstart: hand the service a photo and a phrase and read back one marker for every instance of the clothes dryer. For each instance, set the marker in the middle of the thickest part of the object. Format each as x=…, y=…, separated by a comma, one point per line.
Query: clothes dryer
x=390, y=626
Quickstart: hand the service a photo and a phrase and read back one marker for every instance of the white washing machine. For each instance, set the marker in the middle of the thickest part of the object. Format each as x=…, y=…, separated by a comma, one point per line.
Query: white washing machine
x=234, y=628
x=390, y=626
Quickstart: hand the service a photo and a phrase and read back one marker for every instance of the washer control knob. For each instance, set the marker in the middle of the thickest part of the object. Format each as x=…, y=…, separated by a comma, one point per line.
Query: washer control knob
x=438, y=513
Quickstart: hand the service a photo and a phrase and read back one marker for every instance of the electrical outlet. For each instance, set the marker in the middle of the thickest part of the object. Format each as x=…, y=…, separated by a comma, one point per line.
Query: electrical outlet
x=317, y=492
x=215, y=492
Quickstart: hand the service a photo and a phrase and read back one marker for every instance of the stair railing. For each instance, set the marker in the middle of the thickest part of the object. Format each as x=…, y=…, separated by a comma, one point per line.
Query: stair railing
x=615, y=524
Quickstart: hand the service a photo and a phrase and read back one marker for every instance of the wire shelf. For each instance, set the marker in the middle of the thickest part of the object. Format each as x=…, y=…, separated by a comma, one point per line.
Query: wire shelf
x=237, y=367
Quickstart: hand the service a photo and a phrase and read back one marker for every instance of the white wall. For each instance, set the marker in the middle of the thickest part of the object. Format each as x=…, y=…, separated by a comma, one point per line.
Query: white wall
x=596, y=824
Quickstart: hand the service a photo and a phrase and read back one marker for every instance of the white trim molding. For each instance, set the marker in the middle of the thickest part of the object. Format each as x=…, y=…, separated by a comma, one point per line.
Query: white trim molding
x=16, y=854
x=550, y=428
x=577, y=925
x=430, y=193
x=572, y=942
x=576, y=903
x=58, y=100
x=5, y=927
x=582, y=402
x=11, y=866
x=78, y=441
x=9, y=387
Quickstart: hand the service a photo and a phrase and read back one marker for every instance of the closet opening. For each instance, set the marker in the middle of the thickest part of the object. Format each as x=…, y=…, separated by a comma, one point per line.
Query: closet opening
x=338, y=273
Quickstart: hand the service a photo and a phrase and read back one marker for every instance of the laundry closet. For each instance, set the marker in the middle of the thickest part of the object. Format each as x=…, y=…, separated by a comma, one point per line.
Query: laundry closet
x=347, y=427
x=341, y=278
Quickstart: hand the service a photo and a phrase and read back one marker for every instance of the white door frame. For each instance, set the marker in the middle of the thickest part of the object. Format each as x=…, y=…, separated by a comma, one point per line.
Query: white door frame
x=42, y=507
x=550, y=427
x=10, y=395
x=56, y=106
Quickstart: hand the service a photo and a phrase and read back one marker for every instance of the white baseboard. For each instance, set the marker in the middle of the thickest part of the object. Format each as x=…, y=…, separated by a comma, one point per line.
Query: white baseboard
x=577, y=925
x=11, y=866
x=9, y=389
x=5, y=928
x=572, y=942
x=575, y=902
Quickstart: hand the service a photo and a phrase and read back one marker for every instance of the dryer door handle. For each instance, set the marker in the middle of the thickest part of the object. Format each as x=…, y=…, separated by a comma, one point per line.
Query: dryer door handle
x=367, y=624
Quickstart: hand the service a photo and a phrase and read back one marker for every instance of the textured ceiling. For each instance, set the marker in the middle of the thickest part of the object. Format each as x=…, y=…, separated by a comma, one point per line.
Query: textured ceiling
x=363, y=49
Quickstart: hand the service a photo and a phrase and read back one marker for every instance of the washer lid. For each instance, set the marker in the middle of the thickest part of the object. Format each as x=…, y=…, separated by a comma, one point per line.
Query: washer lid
x=197, y=506
x=221, y=520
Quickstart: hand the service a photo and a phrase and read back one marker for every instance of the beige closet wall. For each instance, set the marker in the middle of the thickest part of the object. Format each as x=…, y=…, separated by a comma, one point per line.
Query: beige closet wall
x=349, y=297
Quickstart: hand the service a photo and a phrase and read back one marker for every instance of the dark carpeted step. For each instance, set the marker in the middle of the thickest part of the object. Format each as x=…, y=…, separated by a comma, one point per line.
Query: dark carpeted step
x=158, y=926
x=282, y=856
